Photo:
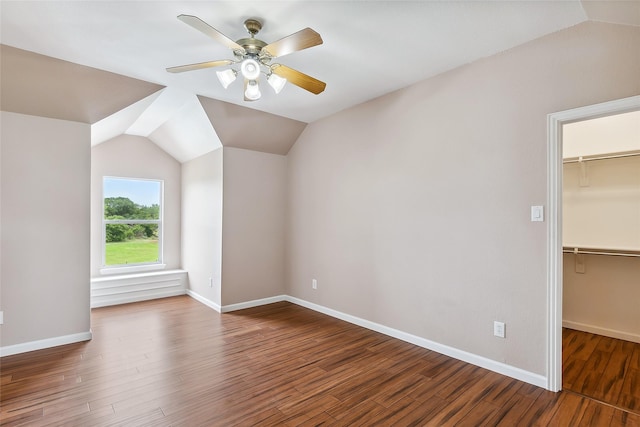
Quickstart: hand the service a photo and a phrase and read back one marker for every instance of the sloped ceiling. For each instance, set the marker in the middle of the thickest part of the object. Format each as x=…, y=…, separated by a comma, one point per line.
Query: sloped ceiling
x=251, y=129
x=172, y=119
x=369, y=49
x=118, y=123
x=48, y=87
x=188, y=133
x=179, y=122
x=614, y=12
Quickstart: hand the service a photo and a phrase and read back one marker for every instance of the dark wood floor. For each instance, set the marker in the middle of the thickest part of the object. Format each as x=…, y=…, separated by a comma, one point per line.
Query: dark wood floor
x=604, y=368
x=176, y=362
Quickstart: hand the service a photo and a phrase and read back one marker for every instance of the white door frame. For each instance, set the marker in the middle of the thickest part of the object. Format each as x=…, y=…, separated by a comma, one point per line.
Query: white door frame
x=554, y=224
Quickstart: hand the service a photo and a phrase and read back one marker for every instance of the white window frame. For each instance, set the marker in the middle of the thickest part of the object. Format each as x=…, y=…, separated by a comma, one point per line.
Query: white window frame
x=138, y=267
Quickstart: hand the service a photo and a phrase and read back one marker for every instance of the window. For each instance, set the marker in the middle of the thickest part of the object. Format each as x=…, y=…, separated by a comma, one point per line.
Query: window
x=132, y=224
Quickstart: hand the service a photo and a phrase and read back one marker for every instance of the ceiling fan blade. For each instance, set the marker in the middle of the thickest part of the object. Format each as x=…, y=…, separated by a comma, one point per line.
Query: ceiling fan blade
x=207, y=29
x=199, y=66
x=299, y=79
x=303, y=39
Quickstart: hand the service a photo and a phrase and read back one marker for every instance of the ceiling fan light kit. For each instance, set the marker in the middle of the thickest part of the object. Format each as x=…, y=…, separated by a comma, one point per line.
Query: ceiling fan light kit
x=227, y=77
x=254, y=57
x=276, y=82
x=252, y=92
x=250, y=69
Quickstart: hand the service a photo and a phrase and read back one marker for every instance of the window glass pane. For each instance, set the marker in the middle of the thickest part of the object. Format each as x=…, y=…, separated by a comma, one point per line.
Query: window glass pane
x=131, y=199
x=131, y=244
x=136, y=206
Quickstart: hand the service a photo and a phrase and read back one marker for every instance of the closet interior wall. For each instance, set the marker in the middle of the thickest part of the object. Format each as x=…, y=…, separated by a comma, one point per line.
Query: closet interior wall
x=601, y=214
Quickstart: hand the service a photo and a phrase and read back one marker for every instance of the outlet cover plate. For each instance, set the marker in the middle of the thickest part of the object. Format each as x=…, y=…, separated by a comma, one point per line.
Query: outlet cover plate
x=498, y=329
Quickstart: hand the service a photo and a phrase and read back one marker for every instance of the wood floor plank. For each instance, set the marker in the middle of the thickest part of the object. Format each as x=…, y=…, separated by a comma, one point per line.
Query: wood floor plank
x=175, y=362
x=572, y=411
x=598, y=415
x=586, y=347
x=634, y=362
x=541, y=410
x=609, y=374
x=480, y=415
x=623, y=418
x=512, y=411
x=630, y=393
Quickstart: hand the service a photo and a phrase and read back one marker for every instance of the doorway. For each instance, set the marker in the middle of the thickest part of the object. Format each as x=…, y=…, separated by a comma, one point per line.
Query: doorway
x=555, y=123
x=601, y=260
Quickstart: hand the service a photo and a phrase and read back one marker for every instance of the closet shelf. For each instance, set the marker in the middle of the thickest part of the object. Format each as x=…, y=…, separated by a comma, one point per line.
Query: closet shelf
x=601, y=157
x=596, y=251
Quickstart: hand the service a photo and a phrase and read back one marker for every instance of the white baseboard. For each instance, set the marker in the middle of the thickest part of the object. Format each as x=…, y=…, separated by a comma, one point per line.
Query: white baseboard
x=234, y=307
x=612, y=333
x=483, y=362
x=10, y=350
x=254, y=303
x=204, y=300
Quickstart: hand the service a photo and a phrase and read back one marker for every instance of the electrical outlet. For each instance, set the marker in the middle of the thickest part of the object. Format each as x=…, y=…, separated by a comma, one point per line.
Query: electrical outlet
x=211, y=282
x=314, y=284
x=498, y=329
x=1, y=317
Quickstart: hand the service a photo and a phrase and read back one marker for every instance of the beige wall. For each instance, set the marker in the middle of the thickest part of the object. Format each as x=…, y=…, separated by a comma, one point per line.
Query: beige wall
x=202, y=224
x=253, y=225
x=45, y=228
x=136, y=157
x=604, y=299
x=606, y=213
x=412, y=210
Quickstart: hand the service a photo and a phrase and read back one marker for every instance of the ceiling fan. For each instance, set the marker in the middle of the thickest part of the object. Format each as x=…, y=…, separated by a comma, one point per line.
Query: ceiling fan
x=254, y=56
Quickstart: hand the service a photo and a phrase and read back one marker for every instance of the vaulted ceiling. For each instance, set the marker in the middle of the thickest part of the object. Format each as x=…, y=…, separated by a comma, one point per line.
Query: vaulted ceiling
x=103, y=62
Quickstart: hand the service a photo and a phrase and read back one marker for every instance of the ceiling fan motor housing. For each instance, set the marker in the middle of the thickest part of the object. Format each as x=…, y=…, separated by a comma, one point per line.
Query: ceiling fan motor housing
x=251, y=45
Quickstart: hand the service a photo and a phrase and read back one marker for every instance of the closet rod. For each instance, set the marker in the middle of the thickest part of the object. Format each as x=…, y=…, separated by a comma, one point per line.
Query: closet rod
x=604, y=157
x=609, y=252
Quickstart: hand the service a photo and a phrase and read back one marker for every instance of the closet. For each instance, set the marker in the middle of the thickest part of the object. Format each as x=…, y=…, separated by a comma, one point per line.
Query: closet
x=601, y=260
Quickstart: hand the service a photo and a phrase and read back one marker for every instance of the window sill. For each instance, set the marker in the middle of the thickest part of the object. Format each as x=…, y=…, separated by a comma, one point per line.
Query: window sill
x=132, y=269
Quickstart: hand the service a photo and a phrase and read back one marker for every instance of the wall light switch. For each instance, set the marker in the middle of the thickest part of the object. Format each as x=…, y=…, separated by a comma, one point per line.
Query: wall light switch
x=537, y=213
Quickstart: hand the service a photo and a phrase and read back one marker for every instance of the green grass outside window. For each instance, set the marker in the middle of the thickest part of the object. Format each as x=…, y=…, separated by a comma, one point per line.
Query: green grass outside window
x=131, y=252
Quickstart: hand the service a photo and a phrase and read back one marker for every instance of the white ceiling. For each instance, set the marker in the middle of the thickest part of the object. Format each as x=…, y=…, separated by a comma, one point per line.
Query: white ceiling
x=370, y=47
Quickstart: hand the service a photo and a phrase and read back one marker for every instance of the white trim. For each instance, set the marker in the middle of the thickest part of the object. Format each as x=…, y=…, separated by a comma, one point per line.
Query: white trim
x=204, y=300
x=127, y=297
x=114, y=290
x=254, y=303
x=599, y=330
x=554, y=223
x=483, y=362
x=554, y=253
x=137, y=275
x=107, y=271
x=10, y=350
